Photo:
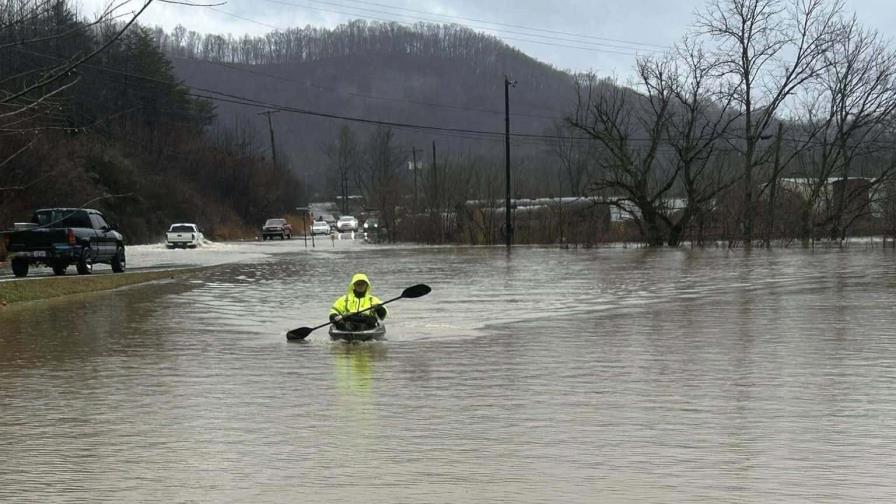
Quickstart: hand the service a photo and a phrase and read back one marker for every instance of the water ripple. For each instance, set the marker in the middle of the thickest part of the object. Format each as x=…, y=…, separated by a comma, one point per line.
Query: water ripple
x=543, y=376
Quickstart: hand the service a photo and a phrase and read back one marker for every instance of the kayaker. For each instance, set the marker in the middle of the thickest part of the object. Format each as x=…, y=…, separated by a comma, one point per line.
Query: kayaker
x=357, y=298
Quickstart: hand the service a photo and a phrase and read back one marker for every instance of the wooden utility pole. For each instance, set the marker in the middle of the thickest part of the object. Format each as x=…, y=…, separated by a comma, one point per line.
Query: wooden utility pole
x=435, y=190
x=508, y=225
x=271, y=129
x=414, y=156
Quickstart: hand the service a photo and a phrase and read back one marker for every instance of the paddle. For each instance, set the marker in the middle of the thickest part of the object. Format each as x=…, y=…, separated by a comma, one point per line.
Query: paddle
x=411, y=292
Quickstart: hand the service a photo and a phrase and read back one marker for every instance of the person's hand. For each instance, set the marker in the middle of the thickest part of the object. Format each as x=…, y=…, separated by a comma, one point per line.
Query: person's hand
x=334, y=318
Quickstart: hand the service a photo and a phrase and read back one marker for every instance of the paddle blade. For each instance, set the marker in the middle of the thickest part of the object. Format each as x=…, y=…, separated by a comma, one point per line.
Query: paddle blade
x=416, y=291
x=299, y=334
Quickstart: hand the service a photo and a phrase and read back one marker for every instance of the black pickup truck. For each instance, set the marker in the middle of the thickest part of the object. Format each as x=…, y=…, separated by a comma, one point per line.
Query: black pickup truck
x=59, y=237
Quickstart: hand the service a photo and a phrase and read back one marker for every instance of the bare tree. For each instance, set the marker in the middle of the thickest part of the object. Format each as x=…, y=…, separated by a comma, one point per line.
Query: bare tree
x=697, y=126
x=575, y=158
x=630, y=129
x=380, y=177
x=344, y=159
x=766, y=49
x=861, y=83
x=32, y=94
x=847, y=115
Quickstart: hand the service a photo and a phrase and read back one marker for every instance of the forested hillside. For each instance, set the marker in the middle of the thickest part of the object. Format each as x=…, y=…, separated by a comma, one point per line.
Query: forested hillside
x=119, y=133
x=445, y=76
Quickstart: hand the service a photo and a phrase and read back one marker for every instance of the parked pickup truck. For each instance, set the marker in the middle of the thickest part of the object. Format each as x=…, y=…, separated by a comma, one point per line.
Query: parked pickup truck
x=59, y=237
x=183, y=235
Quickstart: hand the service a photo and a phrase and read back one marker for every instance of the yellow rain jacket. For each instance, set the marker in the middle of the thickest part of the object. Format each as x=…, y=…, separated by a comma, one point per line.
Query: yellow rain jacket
x=349, y=303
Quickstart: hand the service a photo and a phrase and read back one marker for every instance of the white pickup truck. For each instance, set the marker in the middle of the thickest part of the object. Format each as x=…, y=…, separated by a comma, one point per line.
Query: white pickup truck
x=183, y=235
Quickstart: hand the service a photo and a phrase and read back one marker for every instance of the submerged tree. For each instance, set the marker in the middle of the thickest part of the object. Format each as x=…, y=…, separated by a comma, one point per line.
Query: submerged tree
x=380, y=177
x=344, y=159
x=630, y=128
x=767, y=49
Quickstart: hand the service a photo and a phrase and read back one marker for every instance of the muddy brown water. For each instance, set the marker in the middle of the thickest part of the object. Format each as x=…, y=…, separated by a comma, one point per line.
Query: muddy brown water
x=540, y=376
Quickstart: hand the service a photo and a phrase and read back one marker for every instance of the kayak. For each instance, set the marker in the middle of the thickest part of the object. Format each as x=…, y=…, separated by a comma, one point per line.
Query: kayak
x=376, y=334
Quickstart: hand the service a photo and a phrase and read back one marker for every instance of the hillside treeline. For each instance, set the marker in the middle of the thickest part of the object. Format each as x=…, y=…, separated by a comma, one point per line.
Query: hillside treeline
x=118, y=132
x=441, y=75
x=358, y=37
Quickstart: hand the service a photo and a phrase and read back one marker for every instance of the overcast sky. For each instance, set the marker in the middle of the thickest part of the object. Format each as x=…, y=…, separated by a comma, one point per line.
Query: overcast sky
x=599, y=35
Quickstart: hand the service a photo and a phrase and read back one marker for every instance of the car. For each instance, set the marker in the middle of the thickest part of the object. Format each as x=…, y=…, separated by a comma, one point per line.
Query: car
x=347, y=223
x=276, y=227
x=184, y=235
x=60, y=237
x=371, y=224
x=328, y=218
x=320, y=227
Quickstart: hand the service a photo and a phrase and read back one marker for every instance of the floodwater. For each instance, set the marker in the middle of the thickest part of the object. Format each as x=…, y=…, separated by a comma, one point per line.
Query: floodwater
x=545, y=375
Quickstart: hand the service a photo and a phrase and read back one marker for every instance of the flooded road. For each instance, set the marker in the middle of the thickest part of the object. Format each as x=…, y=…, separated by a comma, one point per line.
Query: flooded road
x=541, y=376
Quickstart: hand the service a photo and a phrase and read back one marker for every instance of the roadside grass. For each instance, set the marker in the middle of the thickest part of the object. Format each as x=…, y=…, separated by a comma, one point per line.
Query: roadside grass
x=17, y=291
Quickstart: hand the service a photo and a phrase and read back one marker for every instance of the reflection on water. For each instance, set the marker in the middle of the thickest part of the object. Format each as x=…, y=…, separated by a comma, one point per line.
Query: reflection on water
x=353, y=364
x=539, y=376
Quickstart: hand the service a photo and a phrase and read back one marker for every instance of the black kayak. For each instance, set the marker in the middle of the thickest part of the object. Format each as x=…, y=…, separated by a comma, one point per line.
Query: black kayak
x=377, y=333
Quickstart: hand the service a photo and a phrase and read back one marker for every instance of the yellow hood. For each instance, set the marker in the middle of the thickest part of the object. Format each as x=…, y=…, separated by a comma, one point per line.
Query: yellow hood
x=359, y=276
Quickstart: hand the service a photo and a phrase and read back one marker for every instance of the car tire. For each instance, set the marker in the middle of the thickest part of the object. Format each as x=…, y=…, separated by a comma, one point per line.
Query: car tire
x=59, y=269
x=19, y=267
x=85, y=262
x=118, y=262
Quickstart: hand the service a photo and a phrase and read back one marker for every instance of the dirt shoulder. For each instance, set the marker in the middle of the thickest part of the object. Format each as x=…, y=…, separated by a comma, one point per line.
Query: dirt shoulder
x=17, y=291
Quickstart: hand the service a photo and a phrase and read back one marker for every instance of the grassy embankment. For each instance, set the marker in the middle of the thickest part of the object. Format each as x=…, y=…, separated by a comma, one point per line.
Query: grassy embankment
x=16, y=291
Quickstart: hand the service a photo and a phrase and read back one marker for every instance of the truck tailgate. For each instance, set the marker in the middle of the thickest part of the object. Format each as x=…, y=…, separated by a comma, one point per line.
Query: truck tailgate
x=181, y=237
x=37, y=239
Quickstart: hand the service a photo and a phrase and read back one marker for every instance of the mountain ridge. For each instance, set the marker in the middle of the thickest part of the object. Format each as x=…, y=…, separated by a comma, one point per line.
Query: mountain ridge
x=459, y=87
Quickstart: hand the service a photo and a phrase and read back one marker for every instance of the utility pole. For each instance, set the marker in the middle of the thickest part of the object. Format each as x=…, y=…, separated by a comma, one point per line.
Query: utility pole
x=414, y=154
x=271, y=129
x=435, y=189
x=508, y=225
x=306, y=212
x=776, y=172
x=435, y=172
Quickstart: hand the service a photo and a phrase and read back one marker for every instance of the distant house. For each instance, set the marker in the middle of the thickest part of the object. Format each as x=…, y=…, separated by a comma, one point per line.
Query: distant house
x=883, y=200
x=856, y=191
x=354, y=203
x=527, y=206
x=624, y=209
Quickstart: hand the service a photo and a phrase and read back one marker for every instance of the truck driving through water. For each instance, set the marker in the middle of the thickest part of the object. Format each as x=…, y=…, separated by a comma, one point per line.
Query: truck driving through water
x=183, y=235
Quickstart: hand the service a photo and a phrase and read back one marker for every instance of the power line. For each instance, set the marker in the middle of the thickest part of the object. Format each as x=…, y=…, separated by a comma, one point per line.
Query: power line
x=514, y=25
x=232, y=66
x=597, y=45
x=237, y=16
x=212, y=94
